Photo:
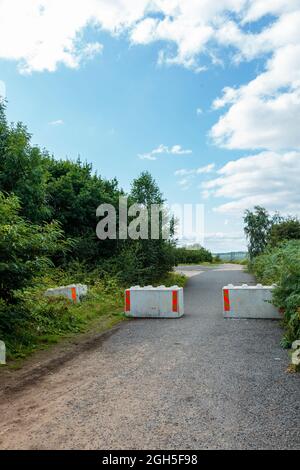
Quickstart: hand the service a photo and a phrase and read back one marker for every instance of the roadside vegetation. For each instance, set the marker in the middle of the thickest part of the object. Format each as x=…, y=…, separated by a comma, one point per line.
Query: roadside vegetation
x=243, y=262
x=192, y=256
x=274, y=247
x=48, y=238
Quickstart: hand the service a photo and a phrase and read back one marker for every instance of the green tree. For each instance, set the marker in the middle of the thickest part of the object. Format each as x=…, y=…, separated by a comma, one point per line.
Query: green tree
x=257, y=228
x=25, y=248
x=286, y=229
x=22, y=169
x=145, y=261
x=144, y=190
x=74, y=192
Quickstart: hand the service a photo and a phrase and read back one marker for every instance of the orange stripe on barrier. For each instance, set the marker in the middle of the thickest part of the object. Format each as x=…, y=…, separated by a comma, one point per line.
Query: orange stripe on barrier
x=74, y=294
x=175, y=300
x=226, y=300
x=127, y=301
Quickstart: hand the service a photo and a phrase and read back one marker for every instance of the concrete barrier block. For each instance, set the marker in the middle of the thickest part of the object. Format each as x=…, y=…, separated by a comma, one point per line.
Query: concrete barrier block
x=154, y=302
x=73, y=292
x=82, y=290
x=296, y=357
x=249, y=302
x=2, y=353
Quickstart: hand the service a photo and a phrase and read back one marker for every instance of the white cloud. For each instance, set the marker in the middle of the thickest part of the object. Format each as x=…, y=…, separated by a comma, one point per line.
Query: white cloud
x=206, y=169
x=258, y=8
x=264, y=113
x=40, y=34
x=58, y=122
x=188, y=175
x=178, y=150
x=199, y=111
x=90, y=50
x=195, y=171
x=164, y=149
x=225, y=241
x=268, y=179
x=185, y=183
x=147, y=156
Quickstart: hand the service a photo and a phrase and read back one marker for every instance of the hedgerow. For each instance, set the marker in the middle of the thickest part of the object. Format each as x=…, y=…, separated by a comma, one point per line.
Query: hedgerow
x=281, y=266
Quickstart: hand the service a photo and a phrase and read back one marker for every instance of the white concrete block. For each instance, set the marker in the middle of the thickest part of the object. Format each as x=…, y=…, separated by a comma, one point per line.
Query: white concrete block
x=2, y=353
x=74, y=292
x=296, y=344
x=249, y=302
x=296, y=357
x=154, y=302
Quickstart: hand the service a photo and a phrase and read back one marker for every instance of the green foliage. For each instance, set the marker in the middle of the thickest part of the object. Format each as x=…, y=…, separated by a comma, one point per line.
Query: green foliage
x=257, y=229
x=274, y=248
x=25, y=248
x=286, y=229
x=186, y=256
x=74, y=193
x=145, y=261
x=144, y=190
x=22, y=169
x=263, y=230
x=281, y=265
x=172, y=279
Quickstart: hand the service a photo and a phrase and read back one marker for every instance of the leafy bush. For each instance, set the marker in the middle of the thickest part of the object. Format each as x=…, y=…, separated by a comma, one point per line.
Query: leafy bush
x=263, y=230
x=286, y=229
x=281, y=265
x=25, y=248
x=186, y=256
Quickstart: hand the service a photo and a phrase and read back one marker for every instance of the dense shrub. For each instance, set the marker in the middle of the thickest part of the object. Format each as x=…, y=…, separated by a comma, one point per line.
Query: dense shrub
x=281, y=265
x=186, y=256
x=25, y=248
x=286, y=229
x=264, y=230
x=73, y=193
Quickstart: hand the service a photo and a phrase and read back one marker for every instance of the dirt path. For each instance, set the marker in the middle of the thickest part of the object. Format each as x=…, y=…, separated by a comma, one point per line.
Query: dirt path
x=196, y=382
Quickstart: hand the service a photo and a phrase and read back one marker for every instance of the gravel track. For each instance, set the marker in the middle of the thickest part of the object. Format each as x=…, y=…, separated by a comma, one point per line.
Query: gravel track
x=199, y=382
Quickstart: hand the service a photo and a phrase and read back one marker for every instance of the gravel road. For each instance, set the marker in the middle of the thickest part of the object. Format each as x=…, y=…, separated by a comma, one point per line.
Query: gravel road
x=199, y=382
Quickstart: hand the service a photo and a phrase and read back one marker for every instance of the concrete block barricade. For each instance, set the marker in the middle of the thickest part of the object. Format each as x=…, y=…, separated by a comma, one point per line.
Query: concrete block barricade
x=154, y=302
x=249, y=302
x=74, y=292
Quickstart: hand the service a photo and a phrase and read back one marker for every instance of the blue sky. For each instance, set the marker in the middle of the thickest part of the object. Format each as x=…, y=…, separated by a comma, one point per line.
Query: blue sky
x=113, y=93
